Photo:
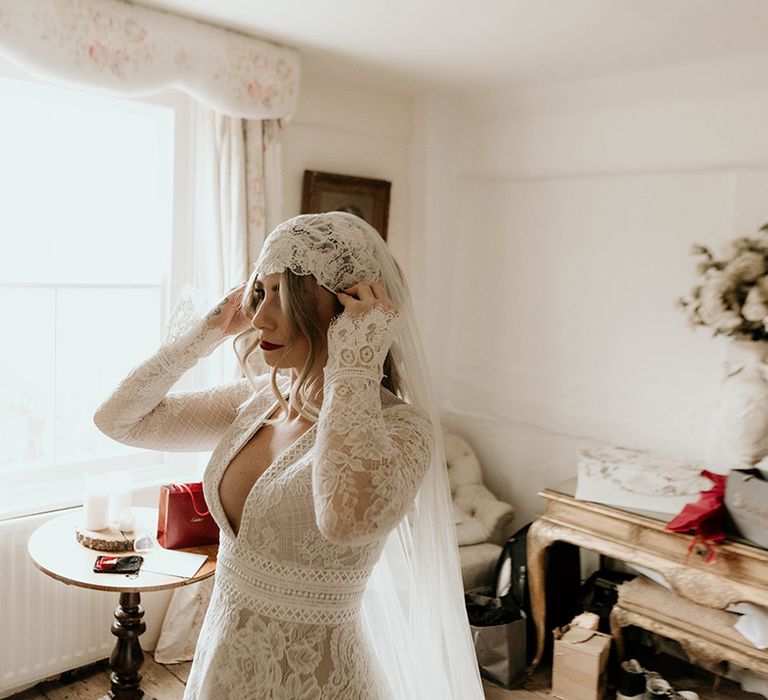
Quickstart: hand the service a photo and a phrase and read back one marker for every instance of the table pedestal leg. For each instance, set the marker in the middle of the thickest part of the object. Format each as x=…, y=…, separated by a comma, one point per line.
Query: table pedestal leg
x=127, y=656
x=539, y=541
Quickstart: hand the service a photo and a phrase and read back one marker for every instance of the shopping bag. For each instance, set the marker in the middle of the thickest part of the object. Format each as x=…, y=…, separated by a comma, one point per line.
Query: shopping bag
x=184, y=519
x=498, y=632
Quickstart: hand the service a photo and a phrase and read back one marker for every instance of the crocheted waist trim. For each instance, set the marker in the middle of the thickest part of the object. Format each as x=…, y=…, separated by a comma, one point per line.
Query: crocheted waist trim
x=291, y=593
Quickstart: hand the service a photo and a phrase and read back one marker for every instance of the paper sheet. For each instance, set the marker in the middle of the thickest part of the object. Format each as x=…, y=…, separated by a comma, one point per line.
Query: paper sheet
x=173, y=563
x=753, y=623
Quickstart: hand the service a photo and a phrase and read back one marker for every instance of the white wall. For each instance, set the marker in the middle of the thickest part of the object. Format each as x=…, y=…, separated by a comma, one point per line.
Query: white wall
x=559, y=224
x=351, y=130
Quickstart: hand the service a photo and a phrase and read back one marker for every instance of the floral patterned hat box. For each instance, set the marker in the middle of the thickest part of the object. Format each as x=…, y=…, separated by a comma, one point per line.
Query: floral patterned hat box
x=636, y=480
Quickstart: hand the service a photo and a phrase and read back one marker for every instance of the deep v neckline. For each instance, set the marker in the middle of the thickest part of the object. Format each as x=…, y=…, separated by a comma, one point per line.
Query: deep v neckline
x=249, y=434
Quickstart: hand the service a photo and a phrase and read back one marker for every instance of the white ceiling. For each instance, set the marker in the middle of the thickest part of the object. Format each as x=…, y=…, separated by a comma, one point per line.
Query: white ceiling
x=459, y=44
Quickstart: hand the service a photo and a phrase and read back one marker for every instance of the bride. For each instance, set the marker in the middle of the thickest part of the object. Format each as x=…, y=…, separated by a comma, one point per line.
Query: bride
x=337, y=573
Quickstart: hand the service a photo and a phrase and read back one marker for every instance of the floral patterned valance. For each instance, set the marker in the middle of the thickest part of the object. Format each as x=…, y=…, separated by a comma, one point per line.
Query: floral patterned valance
x=132, y=50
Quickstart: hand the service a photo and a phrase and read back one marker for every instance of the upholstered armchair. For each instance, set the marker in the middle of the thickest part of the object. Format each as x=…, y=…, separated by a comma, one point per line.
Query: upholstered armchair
x=481, y=519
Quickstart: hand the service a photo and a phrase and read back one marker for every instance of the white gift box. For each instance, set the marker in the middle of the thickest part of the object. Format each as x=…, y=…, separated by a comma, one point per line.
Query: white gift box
x=638, y=480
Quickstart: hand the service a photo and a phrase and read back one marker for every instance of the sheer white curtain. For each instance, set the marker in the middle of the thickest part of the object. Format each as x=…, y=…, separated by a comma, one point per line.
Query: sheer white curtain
x=219, y=234
x=237, y=198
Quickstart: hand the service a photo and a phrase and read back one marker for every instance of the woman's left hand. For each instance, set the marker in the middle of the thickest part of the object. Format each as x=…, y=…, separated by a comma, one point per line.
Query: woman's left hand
x=360, y=337
x=362, y=297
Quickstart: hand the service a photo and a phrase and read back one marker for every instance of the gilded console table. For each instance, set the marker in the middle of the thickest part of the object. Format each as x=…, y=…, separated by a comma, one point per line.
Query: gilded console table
x=740, y=572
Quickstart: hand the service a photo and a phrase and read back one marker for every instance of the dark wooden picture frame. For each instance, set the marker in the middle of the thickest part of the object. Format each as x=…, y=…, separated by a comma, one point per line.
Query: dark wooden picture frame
x=365, y=197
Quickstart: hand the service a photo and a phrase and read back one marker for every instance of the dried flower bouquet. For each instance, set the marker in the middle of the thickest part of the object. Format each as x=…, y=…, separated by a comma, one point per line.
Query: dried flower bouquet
x=732, y=298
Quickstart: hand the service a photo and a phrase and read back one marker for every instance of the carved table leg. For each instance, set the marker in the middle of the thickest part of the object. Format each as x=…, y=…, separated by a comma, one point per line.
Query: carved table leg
x=617, y=631
x=540, y=537
x=127, y=656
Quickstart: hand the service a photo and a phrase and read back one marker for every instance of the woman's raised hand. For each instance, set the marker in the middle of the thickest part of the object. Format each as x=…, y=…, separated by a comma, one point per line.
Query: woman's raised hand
x=364, y=296
x=226, y=315
x=359, y=338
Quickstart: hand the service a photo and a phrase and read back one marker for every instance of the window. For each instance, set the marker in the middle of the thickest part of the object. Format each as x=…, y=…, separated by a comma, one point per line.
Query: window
x=91, y=194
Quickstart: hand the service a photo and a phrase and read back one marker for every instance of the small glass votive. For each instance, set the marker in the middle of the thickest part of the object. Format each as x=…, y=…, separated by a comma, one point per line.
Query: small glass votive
x=120, y=495
x=144, y=542
x=127, y=521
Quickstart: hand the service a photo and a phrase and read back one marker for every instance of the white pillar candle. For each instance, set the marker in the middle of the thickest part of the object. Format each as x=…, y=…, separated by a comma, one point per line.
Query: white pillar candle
x=120, y=496
x=96, y=503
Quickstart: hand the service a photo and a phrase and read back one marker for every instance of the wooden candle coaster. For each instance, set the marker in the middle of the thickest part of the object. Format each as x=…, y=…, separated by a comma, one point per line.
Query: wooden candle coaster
x=108, y=540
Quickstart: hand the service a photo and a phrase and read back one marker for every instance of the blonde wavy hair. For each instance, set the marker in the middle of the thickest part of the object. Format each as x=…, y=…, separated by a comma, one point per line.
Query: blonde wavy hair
x=299, y=301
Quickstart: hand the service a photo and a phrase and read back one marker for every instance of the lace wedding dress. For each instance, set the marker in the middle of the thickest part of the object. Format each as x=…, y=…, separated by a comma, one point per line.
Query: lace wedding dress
x=284, y=617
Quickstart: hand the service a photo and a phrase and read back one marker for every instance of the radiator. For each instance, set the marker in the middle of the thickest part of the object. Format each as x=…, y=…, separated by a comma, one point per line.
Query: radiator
x=46, y=626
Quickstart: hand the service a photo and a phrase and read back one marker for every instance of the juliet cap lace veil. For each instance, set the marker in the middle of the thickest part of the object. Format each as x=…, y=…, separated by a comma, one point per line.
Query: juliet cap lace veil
x=413, y=607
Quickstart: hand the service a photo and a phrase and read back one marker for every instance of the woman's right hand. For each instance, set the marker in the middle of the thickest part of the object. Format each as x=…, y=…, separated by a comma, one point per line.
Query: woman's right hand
x=226, y=315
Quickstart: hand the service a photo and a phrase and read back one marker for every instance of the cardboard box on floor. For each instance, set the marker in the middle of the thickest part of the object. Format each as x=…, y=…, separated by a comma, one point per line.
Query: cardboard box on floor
x=579, y=662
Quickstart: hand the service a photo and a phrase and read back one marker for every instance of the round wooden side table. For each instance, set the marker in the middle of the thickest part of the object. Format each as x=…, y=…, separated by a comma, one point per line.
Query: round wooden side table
x=55, y=551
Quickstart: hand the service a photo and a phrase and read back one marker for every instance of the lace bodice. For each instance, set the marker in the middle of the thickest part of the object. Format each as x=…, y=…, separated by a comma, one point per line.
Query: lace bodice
x=284, y=618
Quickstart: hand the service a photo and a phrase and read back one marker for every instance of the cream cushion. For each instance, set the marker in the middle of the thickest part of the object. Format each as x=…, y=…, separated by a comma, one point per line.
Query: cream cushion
x=469, y=530
x=480, y=518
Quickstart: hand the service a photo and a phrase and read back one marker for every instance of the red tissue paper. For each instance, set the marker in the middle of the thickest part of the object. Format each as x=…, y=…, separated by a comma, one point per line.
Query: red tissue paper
x=705, y=518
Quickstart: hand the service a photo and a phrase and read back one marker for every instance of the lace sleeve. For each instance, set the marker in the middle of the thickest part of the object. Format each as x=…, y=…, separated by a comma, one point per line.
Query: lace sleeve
x=369, y=461
x=140, y=413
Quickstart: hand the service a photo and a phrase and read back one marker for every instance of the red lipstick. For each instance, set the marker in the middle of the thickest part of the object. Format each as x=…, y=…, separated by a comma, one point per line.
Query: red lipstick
x=264, y=345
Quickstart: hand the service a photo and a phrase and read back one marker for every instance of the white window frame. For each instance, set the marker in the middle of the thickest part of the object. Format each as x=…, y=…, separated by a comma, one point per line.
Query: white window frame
x=58, y=487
